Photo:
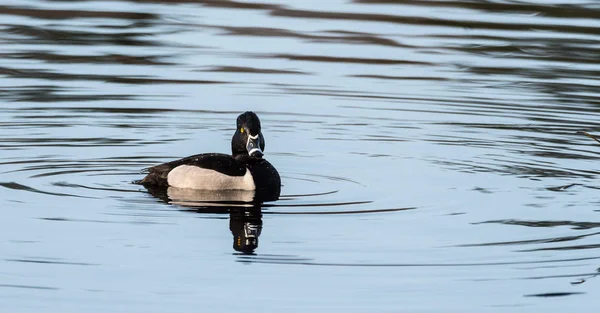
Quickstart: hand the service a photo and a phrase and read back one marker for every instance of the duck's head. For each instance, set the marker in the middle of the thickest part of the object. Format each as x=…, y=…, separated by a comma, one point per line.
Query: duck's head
x=248, y=138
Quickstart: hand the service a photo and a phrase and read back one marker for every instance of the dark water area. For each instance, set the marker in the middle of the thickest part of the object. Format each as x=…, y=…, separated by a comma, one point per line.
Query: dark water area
x=431, y=155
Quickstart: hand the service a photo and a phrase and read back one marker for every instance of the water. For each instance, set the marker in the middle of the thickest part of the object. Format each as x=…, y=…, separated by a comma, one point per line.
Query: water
x=428, y=150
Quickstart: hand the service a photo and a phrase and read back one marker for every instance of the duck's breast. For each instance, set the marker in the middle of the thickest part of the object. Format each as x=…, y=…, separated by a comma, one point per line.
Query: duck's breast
x=265, y=177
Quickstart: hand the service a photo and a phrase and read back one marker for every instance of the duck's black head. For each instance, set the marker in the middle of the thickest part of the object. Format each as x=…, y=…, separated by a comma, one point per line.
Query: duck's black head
x=248, y=138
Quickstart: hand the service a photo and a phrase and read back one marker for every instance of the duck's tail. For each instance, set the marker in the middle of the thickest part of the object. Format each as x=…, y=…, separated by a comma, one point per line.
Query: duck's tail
x=157, y=176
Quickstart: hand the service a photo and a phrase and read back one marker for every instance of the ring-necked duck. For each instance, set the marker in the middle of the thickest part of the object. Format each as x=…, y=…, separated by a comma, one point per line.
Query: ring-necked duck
x=245, y=169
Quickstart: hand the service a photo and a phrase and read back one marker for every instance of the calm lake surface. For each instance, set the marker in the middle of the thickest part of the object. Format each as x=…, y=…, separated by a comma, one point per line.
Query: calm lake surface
x=429, y=154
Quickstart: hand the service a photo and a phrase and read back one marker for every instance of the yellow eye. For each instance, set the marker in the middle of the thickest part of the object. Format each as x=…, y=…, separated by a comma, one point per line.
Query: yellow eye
x=241, y=130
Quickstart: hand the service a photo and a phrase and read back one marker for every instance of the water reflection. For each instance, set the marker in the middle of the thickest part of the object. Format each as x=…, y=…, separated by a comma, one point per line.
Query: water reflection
x=243, y=206
x=245, y=226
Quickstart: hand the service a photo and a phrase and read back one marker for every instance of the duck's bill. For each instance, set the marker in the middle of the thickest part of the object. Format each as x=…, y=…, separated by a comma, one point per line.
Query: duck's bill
x=253, y=146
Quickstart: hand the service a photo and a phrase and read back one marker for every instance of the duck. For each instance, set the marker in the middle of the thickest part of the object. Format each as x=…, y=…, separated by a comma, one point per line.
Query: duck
x=245, y=169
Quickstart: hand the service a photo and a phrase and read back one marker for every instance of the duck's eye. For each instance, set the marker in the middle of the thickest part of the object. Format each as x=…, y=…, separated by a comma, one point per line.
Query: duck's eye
x=241, y=130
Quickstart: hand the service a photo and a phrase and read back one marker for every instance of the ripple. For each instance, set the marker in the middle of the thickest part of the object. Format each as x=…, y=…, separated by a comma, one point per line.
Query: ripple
x=244, y=69
x=49, y=93
x=45, y=74
x=70, y=14
x=50, y=57
x=564, y=248
x=27, y=34
x=331, y=59
x=333, y=212
x=557, y=10
x=573, y=224
x=17, y=186
x=531, y=241
x=28, y=287
x=429, y=21
x=48, y=262
x=331, y=36
x=342, y=264
x=554, y=294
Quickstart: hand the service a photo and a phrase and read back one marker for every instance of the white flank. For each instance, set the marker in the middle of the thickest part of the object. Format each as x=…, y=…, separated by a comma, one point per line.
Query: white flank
x=193, y=177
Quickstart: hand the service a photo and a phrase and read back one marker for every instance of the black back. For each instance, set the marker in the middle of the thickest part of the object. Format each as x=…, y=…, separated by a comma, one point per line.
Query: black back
x=222, y=163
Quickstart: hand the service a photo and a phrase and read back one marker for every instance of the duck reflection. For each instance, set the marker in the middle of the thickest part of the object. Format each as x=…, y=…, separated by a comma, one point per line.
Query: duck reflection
x=245, y=225
x=244, y=209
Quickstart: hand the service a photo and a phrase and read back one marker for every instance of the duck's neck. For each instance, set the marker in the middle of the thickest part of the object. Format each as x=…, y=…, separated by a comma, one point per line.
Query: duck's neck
x=239, y=155
x=238, y=147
